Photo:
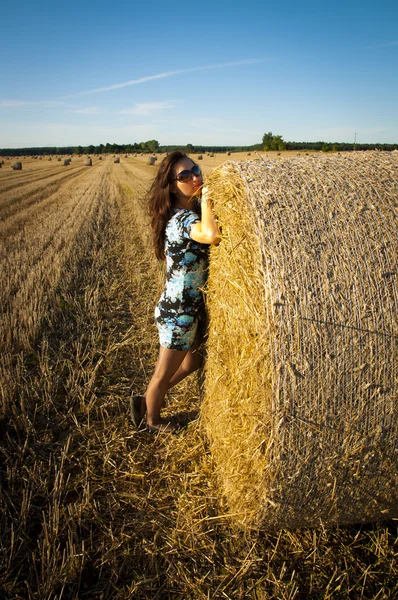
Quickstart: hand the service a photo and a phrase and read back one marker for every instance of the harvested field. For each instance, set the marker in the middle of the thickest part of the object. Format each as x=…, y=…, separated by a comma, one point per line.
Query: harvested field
x=89, y=507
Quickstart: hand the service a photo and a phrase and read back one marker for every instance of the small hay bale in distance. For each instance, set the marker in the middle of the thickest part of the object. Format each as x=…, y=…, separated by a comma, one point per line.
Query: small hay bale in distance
x=66, y=162
x=117, y=159
x=302, y=371
x=88, y=162
x=200, y=157
x=17, y=166
x=151, y=160
x=100, y=158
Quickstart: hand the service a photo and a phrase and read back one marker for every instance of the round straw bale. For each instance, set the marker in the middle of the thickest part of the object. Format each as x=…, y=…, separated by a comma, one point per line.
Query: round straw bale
x=66, y=162
x=200, y=157
x=151, y=160
x=88, y=162
x=300, y=398
x=117, y=159
x=17, y=166
x=100, y=158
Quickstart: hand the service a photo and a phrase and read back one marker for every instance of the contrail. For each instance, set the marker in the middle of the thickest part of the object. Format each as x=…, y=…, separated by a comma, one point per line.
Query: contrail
x=116, y=86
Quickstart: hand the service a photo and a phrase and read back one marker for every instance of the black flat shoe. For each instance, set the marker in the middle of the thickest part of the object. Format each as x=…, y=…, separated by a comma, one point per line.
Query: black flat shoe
x=135, y=410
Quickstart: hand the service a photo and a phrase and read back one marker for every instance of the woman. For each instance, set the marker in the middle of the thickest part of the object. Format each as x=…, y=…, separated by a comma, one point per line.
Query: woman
x=183, y=227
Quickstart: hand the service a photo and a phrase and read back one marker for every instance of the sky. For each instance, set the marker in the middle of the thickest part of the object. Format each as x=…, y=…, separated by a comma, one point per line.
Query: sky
x=207, y=73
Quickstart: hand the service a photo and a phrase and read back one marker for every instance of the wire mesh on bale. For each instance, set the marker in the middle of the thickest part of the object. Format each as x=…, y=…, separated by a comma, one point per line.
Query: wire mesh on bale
x=301, y=377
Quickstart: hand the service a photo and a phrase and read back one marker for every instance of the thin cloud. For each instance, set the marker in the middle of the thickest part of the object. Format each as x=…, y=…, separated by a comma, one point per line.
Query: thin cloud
x=14, y=103
x=147, y=108
x=47, y=104
x=386, y=45
x=89, y=110
x=116, y=86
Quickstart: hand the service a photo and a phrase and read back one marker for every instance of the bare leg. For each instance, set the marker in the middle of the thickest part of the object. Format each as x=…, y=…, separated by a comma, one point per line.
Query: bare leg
x=167, y=366
x=190, y=364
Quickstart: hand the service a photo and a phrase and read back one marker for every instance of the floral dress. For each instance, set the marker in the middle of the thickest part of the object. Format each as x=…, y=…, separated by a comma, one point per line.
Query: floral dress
x=181, y=305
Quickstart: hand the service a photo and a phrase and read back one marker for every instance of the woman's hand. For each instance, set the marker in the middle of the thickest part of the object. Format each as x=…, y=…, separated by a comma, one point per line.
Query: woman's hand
x=207, y=231
x=205, y=194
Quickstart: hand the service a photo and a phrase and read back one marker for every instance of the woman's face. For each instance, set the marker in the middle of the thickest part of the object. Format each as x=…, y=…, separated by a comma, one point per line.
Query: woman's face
x=190, y=188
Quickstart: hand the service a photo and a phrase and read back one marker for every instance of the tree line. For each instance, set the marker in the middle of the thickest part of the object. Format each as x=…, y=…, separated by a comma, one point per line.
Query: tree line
x=276, y=142
x=269, y=142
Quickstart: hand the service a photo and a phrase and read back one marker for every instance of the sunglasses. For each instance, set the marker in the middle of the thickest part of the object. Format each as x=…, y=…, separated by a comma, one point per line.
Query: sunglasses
x=187, y=175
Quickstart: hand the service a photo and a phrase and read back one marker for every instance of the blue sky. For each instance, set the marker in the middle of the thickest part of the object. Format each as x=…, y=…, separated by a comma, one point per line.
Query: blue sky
x=203, y=73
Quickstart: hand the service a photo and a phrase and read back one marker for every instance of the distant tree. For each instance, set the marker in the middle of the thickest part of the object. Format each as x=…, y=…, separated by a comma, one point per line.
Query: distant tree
x=153, y=145
x=190, y=148
x=279, y=144
x=326, y=147
x=273, y=142
x=268, y=140
x=79, y=150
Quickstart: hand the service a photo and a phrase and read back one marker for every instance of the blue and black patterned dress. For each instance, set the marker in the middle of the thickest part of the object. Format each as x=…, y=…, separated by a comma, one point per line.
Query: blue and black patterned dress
x=181, y=305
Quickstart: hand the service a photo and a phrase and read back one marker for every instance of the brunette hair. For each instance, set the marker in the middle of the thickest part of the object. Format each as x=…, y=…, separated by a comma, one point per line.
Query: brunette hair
x=161, y=200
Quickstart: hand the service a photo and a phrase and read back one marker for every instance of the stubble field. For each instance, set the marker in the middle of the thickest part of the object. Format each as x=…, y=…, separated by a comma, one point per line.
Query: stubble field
x=89, y=507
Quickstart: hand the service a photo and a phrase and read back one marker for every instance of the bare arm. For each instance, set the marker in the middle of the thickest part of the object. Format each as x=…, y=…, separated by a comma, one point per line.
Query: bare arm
x=206, y=231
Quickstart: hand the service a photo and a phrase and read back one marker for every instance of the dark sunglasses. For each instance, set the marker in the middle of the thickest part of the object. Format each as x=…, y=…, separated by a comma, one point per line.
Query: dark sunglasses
x=187, y=175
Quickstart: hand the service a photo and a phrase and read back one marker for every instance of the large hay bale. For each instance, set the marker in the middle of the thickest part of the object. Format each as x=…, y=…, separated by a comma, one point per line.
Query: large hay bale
x=88, y=162
x=200, y=157
x=117, y=159
x=17, y=166
x=301, y=378
x=151, y=160
x=66, y=162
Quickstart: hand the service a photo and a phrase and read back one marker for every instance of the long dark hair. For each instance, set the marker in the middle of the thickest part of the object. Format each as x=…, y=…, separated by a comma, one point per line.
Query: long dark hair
x=161, y=200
